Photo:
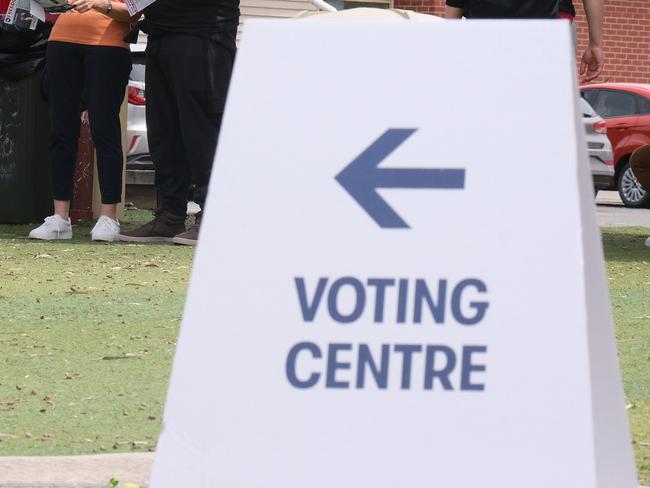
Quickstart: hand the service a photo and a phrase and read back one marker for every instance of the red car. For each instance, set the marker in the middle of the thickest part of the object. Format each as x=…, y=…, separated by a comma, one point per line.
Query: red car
x=626, y=110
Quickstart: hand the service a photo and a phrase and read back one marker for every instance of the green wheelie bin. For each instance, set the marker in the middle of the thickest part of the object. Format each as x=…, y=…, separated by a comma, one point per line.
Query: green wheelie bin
x=25, y=195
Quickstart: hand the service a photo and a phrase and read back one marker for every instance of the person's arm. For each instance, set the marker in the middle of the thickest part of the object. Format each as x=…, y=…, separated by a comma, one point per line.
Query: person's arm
x=592, y=60
x=114, y=9
x=454, y=9
x=453, y=12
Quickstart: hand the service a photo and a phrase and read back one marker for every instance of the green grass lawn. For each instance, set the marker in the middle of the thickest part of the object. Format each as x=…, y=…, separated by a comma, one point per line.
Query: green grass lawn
x=628, y=270
x=88, y=336
x=87, y=340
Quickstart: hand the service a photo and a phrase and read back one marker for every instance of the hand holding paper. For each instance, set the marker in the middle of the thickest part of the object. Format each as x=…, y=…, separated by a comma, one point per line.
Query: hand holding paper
x=82, y=6
x=53, y=6
x=136, y=6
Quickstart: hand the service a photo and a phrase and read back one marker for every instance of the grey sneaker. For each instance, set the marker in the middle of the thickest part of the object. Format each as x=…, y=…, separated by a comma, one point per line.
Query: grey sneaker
x=54, y=227
x=162, y=228
x=191, y=236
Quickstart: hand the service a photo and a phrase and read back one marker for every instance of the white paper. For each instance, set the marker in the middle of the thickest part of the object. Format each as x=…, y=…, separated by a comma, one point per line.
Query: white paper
x=11, y=12
x=18, y=12
x=135, y=6
x=36, y=9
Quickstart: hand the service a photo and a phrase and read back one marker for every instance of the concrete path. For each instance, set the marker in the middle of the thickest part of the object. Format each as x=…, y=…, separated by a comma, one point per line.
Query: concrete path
x=612, y=213
x=131, y=470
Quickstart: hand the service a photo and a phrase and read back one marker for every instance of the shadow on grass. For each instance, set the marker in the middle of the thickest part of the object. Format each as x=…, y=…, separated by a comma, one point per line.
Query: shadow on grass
x=625, y=244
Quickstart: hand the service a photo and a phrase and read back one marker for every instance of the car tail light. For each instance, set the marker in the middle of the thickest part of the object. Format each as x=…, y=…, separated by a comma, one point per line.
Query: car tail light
x=137, y=96
x=134, y=141
x=600, y=127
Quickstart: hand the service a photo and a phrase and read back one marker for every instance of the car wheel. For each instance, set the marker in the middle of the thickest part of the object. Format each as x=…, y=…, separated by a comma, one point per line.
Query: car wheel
x=631, y=191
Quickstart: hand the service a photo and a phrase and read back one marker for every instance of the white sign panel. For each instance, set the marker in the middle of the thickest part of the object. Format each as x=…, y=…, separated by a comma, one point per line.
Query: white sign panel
x=384, y=295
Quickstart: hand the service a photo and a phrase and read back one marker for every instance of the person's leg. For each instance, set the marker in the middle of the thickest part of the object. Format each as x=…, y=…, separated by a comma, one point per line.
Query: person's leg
x=167, y=153
x=107, y=73
x=62, y=208
x=201, y=96
x=65, y=83
x=640, y=164
x=164, y=126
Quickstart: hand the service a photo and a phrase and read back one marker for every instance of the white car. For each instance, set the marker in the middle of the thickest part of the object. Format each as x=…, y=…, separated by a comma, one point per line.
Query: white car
x=137, y=150
x=601, y=156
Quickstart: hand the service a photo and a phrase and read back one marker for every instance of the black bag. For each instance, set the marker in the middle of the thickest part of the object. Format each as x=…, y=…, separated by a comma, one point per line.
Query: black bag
x=22, y=50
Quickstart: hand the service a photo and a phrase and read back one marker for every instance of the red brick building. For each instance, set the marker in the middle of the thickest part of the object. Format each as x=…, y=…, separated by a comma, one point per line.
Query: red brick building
x=627, y=35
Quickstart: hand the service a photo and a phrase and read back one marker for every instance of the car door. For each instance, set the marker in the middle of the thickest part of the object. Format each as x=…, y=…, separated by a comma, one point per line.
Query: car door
x=643, y=121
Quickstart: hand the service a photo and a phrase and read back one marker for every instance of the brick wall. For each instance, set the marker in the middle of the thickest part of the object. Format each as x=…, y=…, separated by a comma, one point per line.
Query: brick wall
x=627, y=35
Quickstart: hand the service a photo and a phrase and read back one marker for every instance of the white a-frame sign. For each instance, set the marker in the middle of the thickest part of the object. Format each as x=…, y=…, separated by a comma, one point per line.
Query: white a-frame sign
x=384, y=295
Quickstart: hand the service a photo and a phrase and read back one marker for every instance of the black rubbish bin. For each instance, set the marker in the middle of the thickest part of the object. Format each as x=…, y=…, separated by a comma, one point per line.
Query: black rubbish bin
x=25, y=194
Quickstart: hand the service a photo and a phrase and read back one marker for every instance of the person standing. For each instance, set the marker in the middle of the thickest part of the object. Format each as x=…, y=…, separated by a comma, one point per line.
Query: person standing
x=592, y=63
x=87, y=63
x=190, y=55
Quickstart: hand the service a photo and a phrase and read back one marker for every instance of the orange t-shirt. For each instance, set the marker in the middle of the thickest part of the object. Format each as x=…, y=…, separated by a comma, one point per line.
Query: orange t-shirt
x=92, y=28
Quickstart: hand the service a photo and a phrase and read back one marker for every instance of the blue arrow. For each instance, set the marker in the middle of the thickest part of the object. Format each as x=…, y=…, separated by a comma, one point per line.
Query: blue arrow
x=362, y=177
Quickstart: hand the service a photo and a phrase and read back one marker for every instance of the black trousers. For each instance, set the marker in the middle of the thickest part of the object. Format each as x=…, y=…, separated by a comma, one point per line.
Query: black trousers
x=98, y=75
x=187, y=80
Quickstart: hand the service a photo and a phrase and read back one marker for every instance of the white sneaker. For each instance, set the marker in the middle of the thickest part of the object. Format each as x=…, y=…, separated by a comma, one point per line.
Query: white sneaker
x=106, y=229
x=647, y=242
x=193, y=208
x=54, y=227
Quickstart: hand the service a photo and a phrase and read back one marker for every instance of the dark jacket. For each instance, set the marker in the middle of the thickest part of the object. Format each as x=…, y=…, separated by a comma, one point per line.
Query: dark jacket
x=567, y=6
x=507, y=9
x=214, y=19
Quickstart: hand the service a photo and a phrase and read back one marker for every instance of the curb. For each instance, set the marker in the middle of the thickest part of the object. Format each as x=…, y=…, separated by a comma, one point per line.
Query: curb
x=131, y=470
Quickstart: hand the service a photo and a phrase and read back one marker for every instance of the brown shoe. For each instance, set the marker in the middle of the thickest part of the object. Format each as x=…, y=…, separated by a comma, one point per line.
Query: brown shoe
x=191, y=235
x=162, y=228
